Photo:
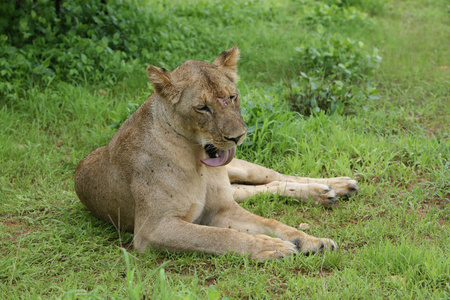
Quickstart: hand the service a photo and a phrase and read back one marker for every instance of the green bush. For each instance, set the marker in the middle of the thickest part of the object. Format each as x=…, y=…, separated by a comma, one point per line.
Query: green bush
x=340, y=58
x=334, y=75
x=89, y=42
x=333, y=72
x=318, y=12
x=314, y=94
x=372, y=7
x=85, y=40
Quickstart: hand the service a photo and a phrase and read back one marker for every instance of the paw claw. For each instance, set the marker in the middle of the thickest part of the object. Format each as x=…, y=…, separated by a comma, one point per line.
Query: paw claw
x=271, y=248
x=319, y=246
x=330, y=199
x=353, y=187
x=345, y=187
x=326, y=190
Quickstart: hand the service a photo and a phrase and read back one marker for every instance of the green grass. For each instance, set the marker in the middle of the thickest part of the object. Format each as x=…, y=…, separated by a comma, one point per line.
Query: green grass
x=393, y=236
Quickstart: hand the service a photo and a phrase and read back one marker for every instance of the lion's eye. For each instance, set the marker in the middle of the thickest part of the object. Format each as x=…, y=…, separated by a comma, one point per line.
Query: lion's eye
x=232, y=98
x=202, y=108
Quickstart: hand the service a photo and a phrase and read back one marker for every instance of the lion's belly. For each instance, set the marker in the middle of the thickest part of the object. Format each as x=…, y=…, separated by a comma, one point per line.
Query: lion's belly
x=103, y=191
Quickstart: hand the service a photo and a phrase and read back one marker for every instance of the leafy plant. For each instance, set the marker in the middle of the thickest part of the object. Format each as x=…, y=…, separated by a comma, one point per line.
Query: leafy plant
x=84, y=41
x=333, y=76
x=339, y=58
x=89, y=42
x=312, y=94
x=327, y=14
x=372, y=7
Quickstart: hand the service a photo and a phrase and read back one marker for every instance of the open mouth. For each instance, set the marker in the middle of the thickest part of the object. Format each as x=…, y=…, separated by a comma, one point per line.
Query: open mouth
x=218, y=157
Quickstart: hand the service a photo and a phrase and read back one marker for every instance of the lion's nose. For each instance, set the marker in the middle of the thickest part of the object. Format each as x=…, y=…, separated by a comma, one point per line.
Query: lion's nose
x=234, y=139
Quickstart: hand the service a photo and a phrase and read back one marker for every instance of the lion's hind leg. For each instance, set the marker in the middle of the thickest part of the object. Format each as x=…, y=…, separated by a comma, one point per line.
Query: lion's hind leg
x=320, y=193
x=248, y=179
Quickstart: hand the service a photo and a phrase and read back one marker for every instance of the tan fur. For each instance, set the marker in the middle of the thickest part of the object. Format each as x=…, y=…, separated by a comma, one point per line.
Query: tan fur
x=150, y=179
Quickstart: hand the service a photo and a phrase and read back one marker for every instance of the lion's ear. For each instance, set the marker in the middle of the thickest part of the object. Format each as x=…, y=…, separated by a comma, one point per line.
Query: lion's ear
x=228, y=60
x=160, y=79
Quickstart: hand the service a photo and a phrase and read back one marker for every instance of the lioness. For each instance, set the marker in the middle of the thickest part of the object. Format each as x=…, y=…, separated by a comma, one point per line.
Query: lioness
x=168, y=173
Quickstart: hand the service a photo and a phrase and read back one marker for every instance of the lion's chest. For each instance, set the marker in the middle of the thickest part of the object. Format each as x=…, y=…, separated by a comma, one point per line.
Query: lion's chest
x=210, y=192
x=192, y=200
x=217, y=195
x=183, y=191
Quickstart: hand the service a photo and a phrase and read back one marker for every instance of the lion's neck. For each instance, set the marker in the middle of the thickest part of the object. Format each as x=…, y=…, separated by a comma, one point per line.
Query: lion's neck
x=169, y=123
x=171, y=140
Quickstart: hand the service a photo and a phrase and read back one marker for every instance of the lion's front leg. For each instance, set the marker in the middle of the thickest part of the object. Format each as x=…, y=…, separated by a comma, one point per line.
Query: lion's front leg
x=237, y=218
x=176, y=220
x=249, y=179
x=175, y=234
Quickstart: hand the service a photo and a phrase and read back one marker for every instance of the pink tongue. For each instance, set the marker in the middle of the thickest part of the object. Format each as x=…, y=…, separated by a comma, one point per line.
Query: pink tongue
x=224, y=158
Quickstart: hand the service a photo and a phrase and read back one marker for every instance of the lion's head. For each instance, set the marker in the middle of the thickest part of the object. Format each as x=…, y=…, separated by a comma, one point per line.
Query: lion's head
x=201, y=102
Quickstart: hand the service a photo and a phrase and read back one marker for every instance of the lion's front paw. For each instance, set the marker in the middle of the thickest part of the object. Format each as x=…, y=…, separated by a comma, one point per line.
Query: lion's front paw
x=325, y=195
x=267, y=248
x=314, y=245
x=344, y=186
